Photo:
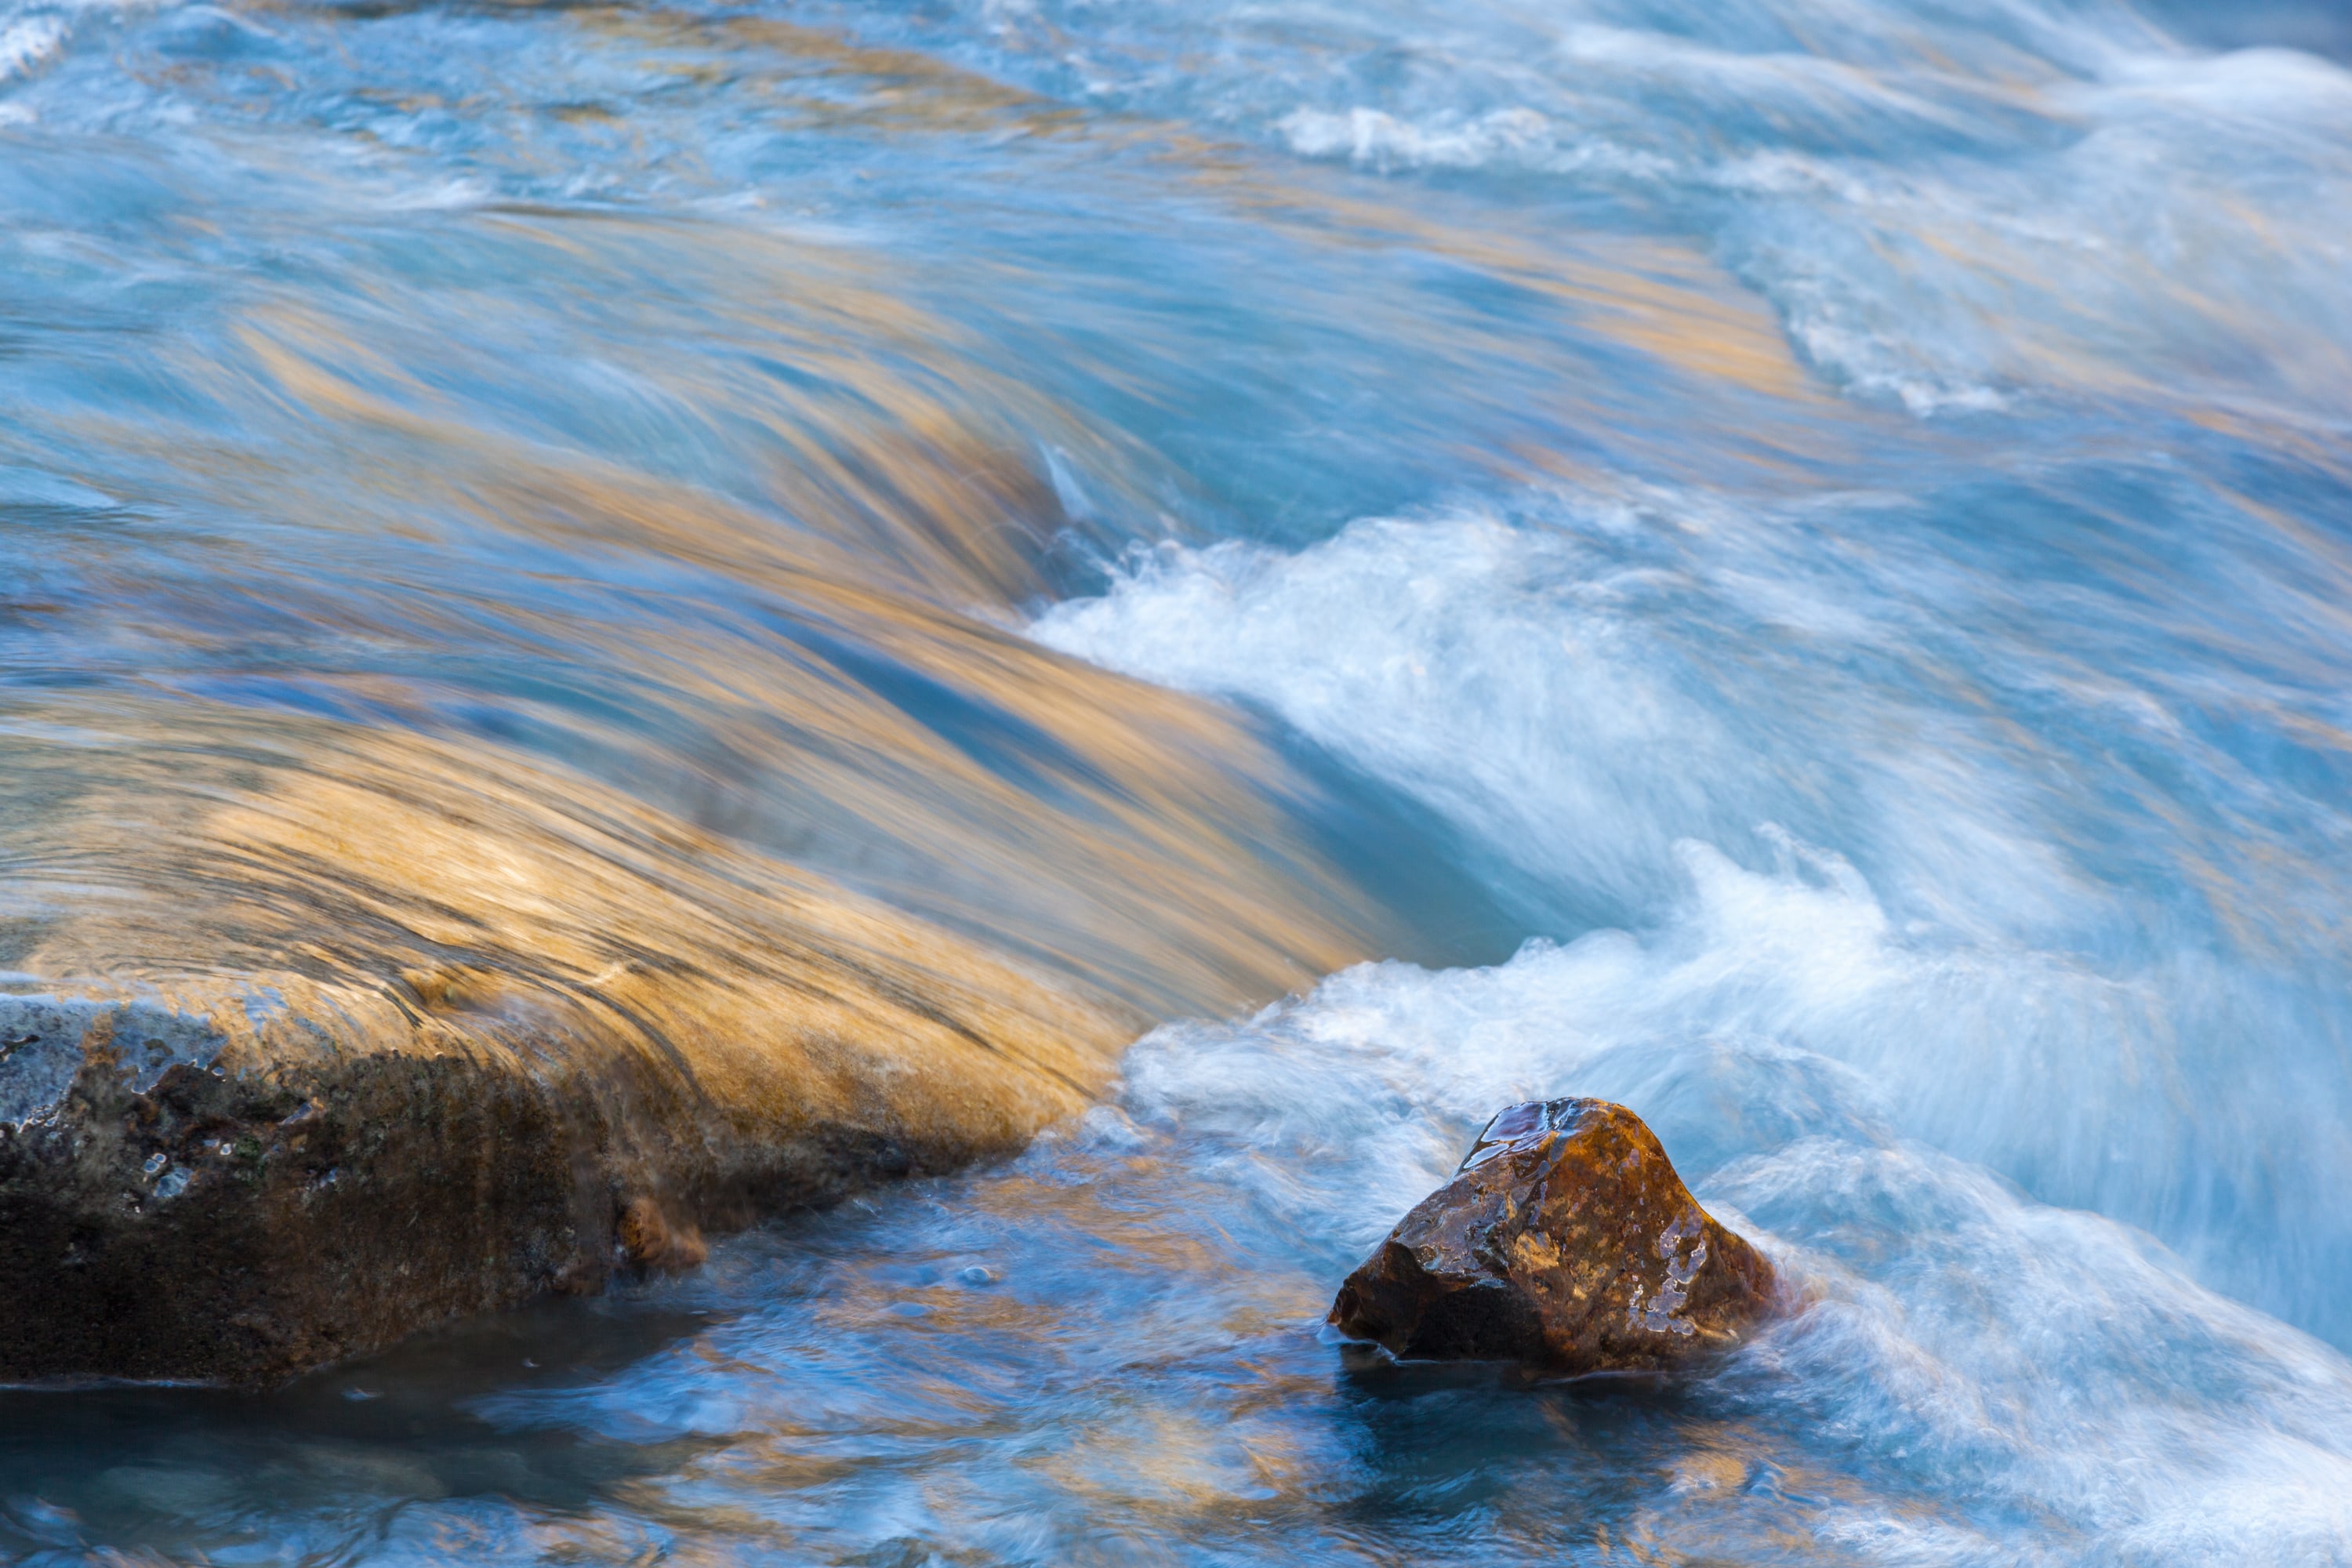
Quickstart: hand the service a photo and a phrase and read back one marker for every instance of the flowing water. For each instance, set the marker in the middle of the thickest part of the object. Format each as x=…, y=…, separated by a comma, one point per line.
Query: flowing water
x=1783, y=562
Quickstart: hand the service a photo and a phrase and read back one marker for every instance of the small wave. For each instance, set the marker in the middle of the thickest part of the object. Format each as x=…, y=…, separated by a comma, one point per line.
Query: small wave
x=1949, y=212
x=1994, y=1358
x=1610, y=694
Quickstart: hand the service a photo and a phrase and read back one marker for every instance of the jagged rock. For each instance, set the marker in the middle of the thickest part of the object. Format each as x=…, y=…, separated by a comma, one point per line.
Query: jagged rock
x=1565, y=1241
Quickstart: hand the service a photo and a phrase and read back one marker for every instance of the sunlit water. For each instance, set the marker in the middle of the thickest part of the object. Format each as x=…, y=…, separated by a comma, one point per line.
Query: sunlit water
x=1784, y=561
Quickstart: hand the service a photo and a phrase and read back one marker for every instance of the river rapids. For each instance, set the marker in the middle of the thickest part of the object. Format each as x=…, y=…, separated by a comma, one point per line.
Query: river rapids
x=1787, y=563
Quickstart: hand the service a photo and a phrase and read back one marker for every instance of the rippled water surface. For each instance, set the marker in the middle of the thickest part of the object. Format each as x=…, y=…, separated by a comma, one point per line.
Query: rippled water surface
x=1784, y=561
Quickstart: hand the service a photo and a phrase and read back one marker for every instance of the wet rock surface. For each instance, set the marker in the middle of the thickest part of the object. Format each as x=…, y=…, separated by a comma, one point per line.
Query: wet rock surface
x=1566, y=1242
x=407, y=1044
x=186, y=1196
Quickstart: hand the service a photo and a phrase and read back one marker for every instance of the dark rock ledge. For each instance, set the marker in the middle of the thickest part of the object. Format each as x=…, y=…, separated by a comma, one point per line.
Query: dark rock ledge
x=183, y=1198
x=291, y=1070
x=1565, y=1242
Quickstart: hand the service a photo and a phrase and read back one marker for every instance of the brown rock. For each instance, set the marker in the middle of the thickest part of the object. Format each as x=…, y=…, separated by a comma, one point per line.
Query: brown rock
x=1565, y=1241
x=300, y=1056
x=654, y=1243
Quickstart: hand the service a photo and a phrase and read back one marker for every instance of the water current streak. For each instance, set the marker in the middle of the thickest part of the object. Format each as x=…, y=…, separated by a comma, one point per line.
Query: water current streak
x=1781, y=563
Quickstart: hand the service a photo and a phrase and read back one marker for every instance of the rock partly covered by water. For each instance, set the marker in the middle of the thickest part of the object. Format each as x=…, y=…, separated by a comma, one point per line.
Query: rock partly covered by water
x=339, y=1036
x=1565, y=1241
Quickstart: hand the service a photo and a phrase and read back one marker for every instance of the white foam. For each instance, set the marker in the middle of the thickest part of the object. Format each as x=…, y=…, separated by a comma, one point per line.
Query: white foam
x=1382, y=141
x=1981, y=1350
x=1747, y=734
x=1950, y=208
x=29, y=43
x=1782, y=983
x=1533, y=683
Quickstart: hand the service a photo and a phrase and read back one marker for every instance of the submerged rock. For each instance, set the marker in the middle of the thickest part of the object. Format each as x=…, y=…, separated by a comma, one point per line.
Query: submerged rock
x=296, y=1060
x=1565, y=1241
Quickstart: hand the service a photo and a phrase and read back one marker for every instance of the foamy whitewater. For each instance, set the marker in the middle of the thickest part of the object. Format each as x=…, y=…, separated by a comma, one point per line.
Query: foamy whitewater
x=1799, y=551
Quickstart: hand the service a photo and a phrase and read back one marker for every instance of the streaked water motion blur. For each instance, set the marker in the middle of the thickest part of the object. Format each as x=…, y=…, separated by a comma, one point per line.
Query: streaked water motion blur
x=1785, y=562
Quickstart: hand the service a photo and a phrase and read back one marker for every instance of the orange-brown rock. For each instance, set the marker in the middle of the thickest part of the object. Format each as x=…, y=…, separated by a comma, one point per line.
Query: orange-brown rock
x=1565, y=1241
x=321, y=1036
x=654, y=1243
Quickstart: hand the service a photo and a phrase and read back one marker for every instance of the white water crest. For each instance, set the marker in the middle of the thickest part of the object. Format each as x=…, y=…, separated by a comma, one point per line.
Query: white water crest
x=1988, y=1359
x=1847, y=786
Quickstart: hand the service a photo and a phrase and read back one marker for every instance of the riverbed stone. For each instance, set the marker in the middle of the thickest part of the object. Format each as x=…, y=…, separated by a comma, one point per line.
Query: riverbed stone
x=295, y=1061
x=1567, y=1242
x=313, y=1034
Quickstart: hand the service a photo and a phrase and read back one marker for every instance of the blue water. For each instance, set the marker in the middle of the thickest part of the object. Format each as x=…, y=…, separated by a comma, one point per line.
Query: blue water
x=1783, y=562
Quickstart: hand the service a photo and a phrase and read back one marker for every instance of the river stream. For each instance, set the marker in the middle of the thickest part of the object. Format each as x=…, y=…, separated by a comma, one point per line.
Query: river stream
x=1787, y=563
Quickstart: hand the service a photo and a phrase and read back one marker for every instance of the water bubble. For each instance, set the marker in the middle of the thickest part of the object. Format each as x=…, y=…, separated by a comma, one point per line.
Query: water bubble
x=155, y=1164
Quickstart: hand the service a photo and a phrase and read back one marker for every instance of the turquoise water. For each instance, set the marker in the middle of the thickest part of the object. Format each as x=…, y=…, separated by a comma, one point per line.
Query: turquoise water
x=1797, y=550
